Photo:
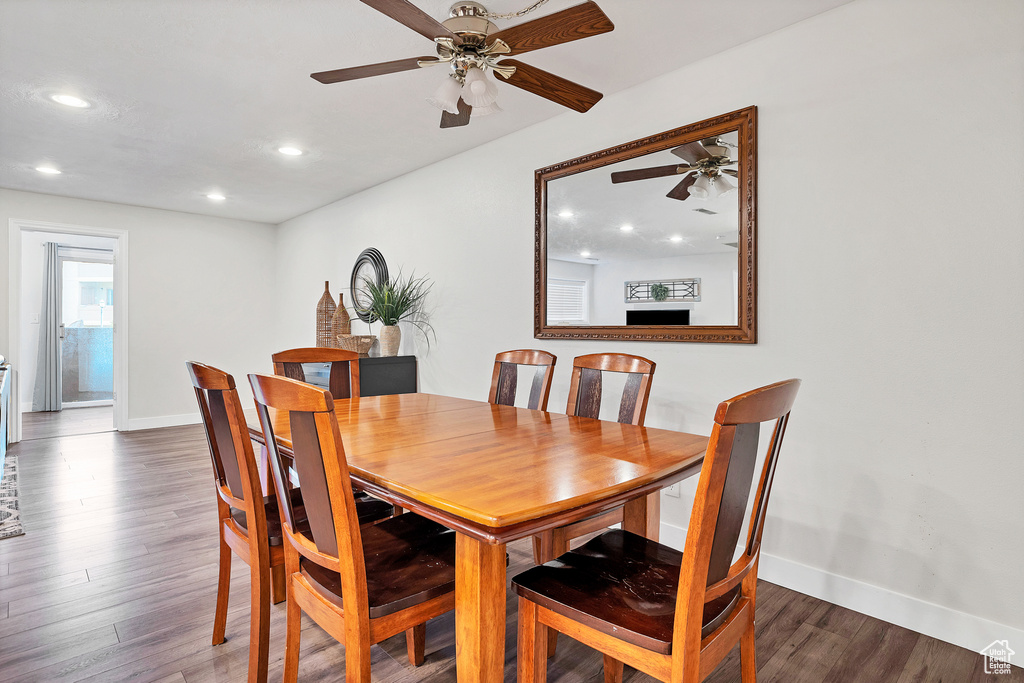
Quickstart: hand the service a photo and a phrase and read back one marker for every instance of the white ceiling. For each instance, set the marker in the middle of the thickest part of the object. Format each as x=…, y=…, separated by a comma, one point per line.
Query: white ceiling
x=599, y=210
x=195, y=96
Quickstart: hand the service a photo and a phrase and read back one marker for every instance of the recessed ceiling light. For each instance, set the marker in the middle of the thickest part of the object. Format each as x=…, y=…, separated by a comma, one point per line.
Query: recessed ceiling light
x=50, y=170
x=566, y=214
x=626, y=228
x=216, y=197
x=290, y=151
x=584, y=254
x=675, y=238
x=70, y=101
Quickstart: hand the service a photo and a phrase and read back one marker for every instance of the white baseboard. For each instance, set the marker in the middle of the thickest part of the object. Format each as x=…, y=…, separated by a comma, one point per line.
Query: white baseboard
x=949, y=625
x=137, y=423
x=86, y=404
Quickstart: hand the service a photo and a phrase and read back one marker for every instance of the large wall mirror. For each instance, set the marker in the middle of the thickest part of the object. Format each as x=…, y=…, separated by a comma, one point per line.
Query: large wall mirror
x=652, y=240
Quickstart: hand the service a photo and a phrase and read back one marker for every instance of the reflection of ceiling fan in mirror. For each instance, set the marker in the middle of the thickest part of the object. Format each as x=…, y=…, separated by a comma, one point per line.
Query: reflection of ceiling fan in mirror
x=704, y=170
x=471, y=45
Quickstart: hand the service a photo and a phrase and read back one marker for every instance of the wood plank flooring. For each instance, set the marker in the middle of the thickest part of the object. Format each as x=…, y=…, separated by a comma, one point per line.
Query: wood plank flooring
x=67, y=422
x=115, y=580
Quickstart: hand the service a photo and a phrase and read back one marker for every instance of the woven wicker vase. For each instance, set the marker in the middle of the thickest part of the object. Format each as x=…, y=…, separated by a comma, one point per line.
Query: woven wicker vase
x=341, y=323
x=390, y=340
x=325, y=310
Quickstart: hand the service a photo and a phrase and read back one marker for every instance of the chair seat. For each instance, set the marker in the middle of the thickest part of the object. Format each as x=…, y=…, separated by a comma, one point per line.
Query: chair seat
x=368, y=509
x=621, y=584
x=409, y=560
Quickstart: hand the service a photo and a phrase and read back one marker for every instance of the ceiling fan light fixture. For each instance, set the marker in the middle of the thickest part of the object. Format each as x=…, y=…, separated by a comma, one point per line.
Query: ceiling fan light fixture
x=478, y=91
x=447, y=95
x=701, y=189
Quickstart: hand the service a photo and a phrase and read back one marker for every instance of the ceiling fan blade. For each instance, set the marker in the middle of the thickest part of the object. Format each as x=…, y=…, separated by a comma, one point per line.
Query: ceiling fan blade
x=581, y=21
x=729, y=171
x=552, y=87
x=404, y=12
x=351, y=74
x=691, y=152
x=460, y=119
x=682, y=190
x=645, y=173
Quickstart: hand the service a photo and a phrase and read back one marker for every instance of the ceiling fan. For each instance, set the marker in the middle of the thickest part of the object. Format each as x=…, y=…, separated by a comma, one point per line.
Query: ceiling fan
x=704, y=169
x=471, y=45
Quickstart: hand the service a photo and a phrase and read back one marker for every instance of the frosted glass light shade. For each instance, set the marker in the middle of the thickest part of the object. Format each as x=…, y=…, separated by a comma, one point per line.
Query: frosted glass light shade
x=724, y=185
x=478, y=91
x=702, y=188
x=491, y=108
x=447, y=96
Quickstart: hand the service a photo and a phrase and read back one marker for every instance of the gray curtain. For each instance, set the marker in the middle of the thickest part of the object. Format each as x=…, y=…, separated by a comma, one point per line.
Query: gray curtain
x=47, y=392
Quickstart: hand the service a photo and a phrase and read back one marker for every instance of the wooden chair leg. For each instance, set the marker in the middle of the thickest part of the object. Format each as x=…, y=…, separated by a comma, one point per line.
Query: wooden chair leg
x=278, y=591
x=415, y=643
x=220, y=616
x=292, y=637
x=612, y=670
x=259, y=623
x=357, y=657
x=531, y=660
x=559, y=546
x=748, y=664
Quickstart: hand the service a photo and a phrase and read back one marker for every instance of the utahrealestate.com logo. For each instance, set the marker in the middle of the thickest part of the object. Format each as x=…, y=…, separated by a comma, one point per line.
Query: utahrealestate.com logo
x=997, y=657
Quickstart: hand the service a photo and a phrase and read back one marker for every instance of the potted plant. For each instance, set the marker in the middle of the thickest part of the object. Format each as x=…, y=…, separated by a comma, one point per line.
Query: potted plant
x=394, y=301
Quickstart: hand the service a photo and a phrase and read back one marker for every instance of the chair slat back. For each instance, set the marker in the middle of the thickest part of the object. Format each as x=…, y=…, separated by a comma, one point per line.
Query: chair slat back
x=319, y=457
x=344, y=376
x=722, y=495
x=585, y=385
x=506, y=376
x=223, y=421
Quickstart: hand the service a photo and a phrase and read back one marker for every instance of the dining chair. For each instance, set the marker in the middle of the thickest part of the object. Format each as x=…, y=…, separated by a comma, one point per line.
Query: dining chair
x=672, y=615
x=343, y=381
x=361, y=585
x=585, y=393
x=506, y=377
x=249, y=522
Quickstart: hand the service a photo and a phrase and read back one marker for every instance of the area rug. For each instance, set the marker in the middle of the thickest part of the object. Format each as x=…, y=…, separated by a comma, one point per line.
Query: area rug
x=10, y=515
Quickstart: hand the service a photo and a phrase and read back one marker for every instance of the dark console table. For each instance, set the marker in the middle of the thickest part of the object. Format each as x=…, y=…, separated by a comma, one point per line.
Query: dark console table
x=392, y=375
x=377, y=376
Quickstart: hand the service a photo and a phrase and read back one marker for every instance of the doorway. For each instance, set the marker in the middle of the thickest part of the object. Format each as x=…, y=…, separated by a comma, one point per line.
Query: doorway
x=88, y=316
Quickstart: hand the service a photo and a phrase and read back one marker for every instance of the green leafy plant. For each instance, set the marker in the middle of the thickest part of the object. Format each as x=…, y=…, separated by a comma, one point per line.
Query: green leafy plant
x=400, y=299
x=659, y=292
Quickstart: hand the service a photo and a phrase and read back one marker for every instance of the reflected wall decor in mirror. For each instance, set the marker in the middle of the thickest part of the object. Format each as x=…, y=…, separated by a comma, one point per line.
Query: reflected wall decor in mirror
x=652, y=240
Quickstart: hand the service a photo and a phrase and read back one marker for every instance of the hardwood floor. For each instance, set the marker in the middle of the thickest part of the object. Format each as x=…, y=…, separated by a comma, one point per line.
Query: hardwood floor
x=115, y=580
x=67, y=422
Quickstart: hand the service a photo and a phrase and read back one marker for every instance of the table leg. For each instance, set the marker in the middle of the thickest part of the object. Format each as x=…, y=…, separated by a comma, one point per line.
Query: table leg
x=643, y=516
x=479, y=610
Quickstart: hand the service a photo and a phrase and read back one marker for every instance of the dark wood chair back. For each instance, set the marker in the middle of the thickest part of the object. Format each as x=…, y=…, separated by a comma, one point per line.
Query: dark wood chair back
x=234, y=465
x=723, y=491
x=506, y=376
x=330, y=537
x=585, y=385
x=344, y=376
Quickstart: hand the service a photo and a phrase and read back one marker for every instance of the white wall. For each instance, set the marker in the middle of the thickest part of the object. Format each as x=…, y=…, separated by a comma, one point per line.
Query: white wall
x=33, y=267
x=717, y=273
x=890, y=275
x=200, y=288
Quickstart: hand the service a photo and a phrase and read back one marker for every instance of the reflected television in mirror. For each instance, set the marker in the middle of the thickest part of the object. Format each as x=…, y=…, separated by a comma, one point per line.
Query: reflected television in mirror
x=652, y=240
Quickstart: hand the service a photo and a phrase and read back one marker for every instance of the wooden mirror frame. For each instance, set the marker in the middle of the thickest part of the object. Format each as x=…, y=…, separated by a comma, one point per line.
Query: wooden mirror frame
x=744, y=121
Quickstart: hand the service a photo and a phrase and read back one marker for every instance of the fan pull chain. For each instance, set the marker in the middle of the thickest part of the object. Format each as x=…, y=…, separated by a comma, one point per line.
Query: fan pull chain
x=513, y=15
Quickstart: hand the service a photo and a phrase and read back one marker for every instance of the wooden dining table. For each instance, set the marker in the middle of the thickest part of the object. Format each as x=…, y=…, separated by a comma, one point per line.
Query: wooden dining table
x=496, y=474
